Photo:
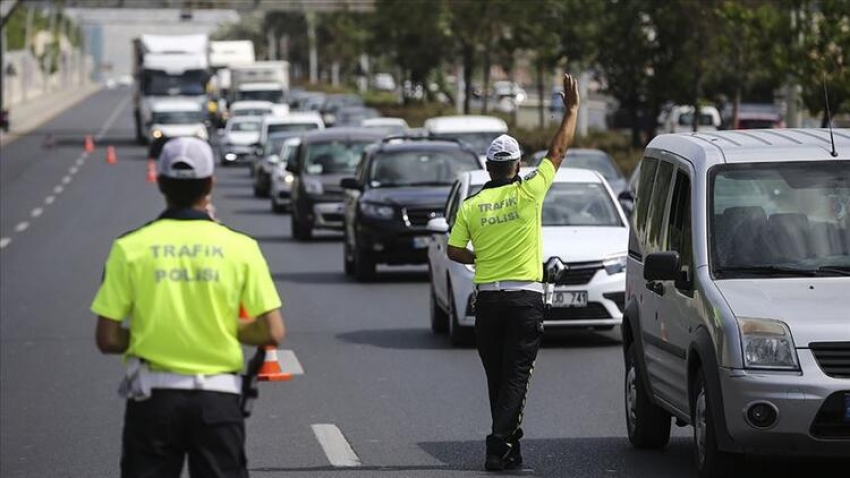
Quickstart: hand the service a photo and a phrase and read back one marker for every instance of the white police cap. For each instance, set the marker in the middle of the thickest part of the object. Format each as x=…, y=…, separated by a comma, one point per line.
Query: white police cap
x=186, y=158
x=503, y=148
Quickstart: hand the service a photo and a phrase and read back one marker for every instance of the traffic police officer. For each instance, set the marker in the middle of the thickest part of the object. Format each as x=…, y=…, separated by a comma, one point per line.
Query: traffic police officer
x=503, y=223
x=180, y=280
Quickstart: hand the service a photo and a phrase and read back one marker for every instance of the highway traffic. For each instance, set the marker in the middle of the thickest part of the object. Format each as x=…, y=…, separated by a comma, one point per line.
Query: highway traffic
x=373, y=390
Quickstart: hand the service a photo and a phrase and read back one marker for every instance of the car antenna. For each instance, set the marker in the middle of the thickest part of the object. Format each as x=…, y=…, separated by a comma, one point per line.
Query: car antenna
x=832, y=153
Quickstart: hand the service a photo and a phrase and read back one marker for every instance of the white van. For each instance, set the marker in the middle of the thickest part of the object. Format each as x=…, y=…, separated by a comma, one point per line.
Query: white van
x=737, y=317
x=171, y=118
x=477, y=131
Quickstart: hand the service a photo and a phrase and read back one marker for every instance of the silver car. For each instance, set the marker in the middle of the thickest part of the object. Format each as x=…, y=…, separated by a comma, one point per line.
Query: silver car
x=737, y=316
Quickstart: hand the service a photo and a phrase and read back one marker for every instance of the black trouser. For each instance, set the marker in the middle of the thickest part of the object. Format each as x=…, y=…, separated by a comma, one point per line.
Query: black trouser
x=508, y=330
x=159, y=432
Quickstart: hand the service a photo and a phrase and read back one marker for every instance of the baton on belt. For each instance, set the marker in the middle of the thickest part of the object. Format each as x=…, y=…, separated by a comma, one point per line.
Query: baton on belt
x=250, y=390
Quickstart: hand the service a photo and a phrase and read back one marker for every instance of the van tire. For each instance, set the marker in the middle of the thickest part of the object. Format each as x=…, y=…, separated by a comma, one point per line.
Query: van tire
x=648, y=424
x=710, y=462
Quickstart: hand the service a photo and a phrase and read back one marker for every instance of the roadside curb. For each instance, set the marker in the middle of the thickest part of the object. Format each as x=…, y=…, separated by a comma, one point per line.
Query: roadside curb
x=47, y=113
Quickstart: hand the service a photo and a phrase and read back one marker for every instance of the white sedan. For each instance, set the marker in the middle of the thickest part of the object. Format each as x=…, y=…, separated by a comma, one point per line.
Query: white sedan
x=583, y=226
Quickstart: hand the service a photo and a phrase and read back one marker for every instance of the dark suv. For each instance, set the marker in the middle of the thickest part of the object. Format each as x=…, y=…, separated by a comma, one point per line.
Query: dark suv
x=400, y=185
x=323, y=158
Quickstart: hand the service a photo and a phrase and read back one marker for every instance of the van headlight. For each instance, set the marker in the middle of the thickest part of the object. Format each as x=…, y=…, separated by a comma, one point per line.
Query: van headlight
x=615, y=263
x=156, y=134
x=767, y=344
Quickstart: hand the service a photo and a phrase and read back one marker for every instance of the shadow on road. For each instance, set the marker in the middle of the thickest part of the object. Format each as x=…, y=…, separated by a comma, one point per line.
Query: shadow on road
x=398, y=339
x=311, y=277
x=579, y=339
x=232, y=183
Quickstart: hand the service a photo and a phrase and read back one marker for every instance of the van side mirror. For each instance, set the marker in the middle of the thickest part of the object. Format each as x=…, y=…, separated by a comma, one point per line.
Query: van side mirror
x=350, y=183
x=292, y=166
x=438, y=225
x=661, y=266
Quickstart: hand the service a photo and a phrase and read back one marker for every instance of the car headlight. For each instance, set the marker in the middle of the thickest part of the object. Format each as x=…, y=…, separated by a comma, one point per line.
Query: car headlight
x=379, y=211
x=615, y=263
x=288, y=178
x=470, y=267
x=313, y=186
x=767, y=344
x=156, y=134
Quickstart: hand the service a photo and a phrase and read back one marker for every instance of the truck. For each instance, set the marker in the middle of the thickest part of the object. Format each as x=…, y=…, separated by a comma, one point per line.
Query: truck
x=225, y=55
x=262, y=80
x=167, y=66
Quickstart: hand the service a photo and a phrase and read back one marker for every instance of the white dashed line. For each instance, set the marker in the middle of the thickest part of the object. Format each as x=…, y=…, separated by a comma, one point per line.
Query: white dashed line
x=49, y=200
x=66, y=180
x=81, y=161
x=58, y=190
x=36, y=212
x=112, y=118
x=289, y=362
x=336, y=447
x=4, y=242
x=73, y=170
x=22, y=226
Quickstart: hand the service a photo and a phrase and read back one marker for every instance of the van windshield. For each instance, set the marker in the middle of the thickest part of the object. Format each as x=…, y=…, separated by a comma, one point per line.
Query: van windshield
x=781, y=219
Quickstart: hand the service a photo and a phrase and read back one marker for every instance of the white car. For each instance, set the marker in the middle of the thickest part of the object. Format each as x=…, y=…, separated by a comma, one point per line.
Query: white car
x=680, y=119
x=239, y=139
x=250, y=108
x=171, y=118
x=477, y=131
x=390, y=126
x=281, y=179
x=583, y=226
x=296, y=122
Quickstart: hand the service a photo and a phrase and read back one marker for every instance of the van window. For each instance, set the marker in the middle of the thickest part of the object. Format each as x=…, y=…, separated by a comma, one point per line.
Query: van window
x=657, y=208
x=647, y=173
x=679, y=224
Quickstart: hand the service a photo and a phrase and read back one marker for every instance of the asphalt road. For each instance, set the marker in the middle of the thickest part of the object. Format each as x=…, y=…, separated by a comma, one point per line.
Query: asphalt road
x=379, y=394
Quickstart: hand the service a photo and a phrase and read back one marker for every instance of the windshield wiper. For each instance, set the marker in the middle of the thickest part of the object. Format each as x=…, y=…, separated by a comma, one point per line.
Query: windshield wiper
x=769, y=270
x=840, y=270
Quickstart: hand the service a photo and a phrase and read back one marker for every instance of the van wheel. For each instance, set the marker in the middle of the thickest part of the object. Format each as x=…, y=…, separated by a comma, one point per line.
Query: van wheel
x=710, y=461
x=439, y=318
x=647, y=423
x=459, y=336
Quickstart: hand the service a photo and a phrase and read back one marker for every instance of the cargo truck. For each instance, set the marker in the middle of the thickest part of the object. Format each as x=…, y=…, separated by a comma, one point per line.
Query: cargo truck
x=167, y=66
x=263, y=81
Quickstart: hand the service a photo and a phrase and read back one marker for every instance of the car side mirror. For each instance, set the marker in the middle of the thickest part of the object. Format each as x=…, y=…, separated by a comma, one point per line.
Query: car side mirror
x=350, y=183
x=438, y=225
x=627, y=202
x=292, y=167
x=661, y=266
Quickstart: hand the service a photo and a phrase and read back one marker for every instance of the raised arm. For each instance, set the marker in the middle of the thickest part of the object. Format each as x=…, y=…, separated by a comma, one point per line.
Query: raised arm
x=566, y=132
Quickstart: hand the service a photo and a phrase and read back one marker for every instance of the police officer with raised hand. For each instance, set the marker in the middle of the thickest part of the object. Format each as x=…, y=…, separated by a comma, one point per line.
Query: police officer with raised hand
x=179, y=281
x=503, y=223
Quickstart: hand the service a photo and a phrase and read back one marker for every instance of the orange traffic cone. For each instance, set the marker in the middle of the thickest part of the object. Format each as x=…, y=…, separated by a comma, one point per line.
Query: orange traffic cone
x=89, y=145
x=270, y=370
x=152, y=176
x=110, y=155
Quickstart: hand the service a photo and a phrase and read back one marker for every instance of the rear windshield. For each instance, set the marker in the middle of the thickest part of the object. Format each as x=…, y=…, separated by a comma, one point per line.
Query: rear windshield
x=178, y=117
x=292, y=127
x=478, y=141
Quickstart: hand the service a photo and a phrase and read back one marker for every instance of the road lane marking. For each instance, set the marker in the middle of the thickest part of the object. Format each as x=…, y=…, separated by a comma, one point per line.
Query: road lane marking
x=73, y=170
x=112, y=118
x=4, y=242
x=81, y=160
x=49, y=200
x=289, y=362
x=335, y=446
x=37, y=212
x=22, y=226
x=58, y=190
x=66, y=180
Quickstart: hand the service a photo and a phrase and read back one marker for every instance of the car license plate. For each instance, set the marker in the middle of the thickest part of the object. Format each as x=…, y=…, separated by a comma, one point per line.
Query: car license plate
x=564, y=298
x=421, y=242
x=847, y=407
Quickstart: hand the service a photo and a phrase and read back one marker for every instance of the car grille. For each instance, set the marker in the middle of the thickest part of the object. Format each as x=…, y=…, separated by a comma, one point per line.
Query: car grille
x=578, y=273
x=332, y=217
x=832, y=357
x=594, y=310
x=421, y=216
x=830, y=421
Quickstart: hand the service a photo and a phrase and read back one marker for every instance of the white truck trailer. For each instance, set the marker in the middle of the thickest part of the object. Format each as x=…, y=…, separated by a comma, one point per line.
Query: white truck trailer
x=262, y=80
x=168, y=66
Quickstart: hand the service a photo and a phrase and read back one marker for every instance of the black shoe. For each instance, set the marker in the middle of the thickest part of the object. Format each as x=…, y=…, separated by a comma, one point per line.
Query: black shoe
x=513, y=462
x=494, y=463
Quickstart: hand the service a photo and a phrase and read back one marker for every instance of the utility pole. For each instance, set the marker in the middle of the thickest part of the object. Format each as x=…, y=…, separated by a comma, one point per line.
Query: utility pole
x=311, y=40
x=26, y=74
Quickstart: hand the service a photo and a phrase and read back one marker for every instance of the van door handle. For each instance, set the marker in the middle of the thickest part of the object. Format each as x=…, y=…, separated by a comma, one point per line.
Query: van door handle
x=655, y=286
